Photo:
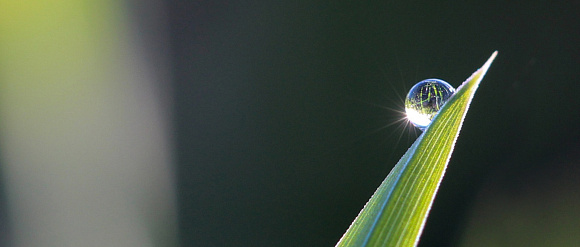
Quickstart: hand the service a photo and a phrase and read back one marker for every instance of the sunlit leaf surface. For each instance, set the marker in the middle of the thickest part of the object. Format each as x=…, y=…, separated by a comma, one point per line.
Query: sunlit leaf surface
x=396, y=213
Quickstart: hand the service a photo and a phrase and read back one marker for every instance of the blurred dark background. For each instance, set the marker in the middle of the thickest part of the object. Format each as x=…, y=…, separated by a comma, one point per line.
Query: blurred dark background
x=286, y=115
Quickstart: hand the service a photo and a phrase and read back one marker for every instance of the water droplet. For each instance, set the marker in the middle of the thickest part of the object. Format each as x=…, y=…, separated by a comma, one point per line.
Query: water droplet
x=425, y=99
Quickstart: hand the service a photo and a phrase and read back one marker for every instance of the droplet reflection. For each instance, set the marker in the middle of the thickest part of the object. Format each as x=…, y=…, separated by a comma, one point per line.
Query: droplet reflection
x=425, y=99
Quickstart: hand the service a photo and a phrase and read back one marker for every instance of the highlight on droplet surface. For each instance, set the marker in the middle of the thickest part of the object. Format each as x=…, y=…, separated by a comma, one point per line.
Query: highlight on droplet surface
x=425, y=99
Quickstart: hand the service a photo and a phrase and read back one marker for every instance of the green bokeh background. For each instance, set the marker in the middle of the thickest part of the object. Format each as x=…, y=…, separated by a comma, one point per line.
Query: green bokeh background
x=282, y=113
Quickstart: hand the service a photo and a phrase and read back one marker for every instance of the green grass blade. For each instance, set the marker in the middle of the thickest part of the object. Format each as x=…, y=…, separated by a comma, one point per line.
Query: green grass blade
x=397, y=211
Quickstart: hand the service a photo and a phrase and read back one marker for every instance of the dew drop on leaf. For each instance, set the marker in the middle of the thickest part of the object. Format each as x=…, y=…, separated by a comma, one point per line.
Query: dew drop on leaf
x=425, y=99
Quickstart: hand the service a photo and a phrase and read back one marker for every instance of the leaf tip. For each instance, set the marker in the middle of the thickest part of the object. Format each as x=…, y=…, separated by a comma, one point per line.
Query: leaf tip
x=490, y=60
